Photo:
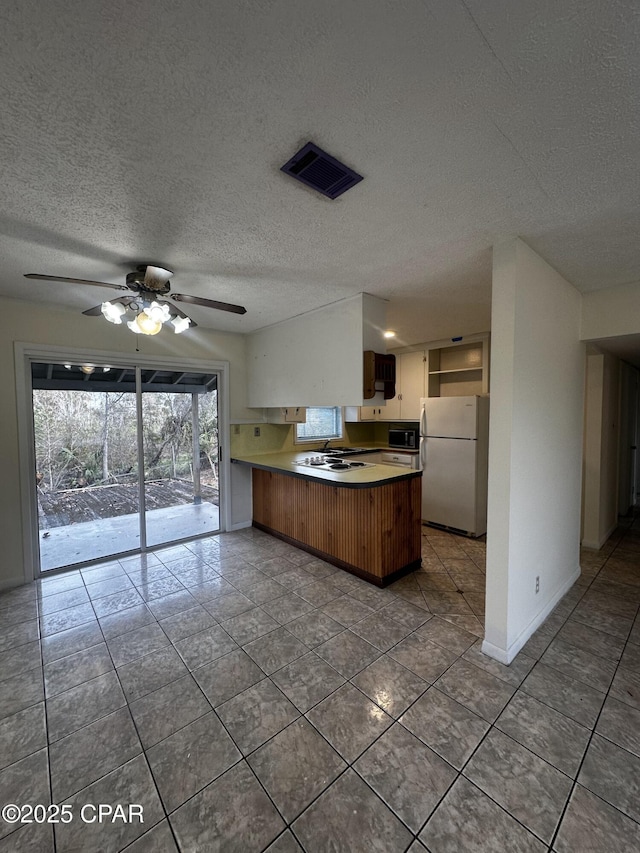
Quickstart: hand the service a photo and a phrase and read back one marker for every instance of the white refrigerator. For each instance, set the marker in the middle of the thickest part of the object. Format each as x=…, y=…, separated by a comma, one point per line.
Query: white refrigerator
x=454, y=445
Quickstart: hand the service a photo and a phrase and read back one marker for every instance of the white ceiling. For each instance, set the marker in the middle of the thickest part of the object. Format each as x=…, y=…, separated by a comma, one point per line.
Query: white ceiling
x=154, y=131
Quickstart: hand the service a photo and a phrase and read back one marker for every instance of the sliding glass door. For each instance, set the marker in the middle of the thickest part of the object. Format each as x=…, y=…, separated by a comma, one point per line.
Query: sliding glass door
x=126, y=459
x=180, y=430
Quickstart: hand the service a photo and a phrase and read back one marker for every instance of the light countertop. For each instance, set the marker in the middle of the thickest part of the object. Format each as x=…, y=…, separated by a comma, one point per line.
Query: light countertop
x=284, y=463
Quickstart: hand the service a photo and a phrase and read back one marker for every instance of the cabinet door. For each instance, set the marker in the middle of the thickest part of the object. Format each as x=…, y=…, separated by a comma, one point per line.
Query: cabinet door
x=368, y=413
x=412, y=373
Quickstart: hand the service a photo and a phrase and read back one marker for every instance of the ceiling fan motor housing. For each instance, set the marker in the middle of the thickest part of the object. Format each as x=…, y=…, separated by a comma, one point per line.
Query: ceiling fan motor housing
x=150, y=279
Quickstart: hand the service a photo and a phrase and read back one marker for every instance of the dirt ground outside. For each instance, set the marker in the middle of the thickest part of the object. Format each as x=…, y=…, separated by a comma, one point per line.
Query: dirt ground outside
x=72, y=506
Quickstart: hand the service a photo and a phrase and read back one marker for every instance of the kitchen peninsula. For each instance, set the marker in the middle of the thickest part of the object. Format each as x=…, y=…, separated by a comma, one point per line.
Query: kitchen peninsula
x=365, y=520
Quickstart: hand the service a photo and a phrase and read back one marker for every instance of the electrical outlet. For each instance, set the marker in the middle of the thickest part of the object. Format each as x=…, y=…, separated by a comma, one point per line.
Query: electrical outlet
x=256, y=432
x=537, y=583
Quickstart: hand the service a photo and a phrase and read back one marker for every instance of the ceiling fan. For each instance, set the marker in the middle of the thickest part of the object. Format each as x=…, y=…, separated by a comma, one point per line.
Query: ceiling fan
x=147, y=310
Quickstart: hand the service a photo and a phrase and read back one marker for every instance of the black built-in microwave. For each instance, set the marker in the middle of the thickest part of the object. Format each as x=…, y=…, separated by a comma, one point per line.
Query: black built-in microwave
x=404, y=438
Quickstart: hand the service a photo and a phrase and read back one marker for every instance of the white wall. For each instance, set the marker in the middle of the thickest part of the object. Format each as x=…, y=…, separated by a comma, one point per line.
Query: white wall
x=611, y=312
x=41, y=324
x=535, y=449
x=315, y=359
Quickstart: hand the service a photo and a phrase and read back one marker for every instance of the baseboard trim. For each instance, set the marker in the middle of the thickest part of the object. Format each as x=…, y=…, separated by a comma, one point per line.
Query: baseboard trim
x=506, y=656
x=596, y=545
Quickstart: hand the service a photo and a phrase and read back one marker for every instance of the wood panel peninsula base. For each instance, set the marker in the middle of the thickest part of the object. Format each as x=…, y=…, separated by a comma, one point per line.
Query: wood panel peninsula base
x=372, y=530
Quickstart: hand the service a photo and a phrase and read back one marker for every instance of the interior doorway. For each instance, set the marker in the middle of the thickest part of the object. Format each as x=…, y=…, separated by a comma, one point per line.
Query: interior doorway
x=126, y=459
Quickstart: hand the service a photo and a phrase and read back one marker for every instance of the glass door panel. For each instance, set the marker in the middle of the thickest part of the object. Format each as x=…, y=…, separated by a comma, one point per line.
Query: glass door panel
x=180, y=432
x=85, y=429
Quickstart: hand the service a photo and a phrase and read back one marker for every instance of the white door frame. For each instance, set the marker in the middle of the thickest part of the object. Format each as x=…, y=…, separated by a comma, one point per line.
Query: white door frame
x=27, y=353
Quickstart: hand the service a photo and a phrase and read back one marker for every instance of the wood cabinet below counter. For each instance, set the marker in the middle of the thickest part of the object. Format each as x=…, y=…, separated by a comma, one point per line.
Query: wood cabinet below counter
x=373, y=531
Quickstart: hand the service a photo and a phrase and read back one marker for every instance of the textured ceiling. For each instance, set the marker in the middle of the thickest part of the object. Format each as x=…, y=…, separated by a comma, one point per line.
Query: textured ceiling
x=154, y=131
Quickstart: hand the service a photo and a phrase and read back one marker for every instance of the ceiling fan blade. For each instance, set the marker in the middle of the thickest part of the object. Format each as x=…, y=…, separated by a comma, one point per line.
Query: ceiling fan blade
x=209, y=303
x=95, y=312
x=74, y=280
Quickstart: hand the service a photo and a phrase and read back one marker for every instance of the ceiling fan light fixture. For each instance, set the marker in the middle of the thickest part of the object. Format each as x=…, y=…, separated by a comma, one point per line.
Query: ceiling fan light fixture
x=158, y=313
x=87, y=368
x=113, y=312
x=180, y=324
x=144, y=325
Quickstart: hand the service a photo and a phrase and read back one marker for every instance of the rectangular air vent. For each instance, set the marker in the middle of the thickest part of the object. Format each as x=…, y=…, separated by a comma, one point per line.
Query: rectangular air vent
x=320, y=171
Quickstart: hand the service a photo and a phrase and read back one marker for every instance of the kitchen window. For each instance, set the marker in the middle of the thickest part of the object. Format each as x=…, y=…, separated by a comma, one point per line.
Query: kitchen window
x=323, y=423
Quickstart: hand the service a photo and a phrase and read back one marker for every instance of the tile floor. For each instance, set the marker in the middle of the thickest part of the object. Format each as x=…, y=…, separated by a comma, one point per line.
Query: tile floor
x=250, y=697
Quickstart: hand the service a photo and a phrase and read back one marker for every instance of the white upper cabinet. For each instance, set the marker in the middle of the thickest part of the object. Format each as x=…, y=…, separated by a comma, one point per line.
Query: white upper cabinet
x=410, y=387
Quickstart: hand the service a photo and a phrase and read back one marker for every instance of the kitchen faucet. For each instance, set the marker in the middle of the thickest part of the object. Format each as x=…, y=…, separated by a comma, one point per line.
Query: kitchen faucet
x=324, y=447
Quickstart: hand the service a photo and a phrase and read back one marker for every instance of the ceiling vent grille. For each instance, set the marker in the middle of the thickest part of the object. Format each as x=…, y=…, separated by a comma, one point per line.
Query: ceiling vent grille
x=320, y=171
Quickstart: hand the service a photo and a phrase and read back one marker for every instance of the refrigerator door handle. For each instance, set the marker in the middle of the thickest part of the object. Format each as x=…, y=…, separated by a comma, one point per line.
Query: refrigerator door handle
x=423, y=453
x=423, y=421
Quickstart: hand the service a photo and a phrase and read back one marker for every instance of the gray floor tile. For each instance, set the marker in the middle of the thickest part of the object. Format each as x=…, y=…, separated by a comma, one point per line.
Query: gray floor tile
x=406, y=613
x=159, y=714
x=579, y=664
x=25, y=781
x=227, y=606
x=286, y=843
x=151, y=672
x=135, y=644
x=21, y=734
x=350, y=817
x=380, y=630
x=265, y=591
x=613, y=774
x=390, y=685
x=424, y=658
x=160, y=588
x=20, y=692
x=20, y=659
x=256, y=714
x=225, y=677
x=130, y=783
x=83, y=704
x=250, y=625
x=307, y=681
x=190, y=759
x=408, y=776
x=347, y=610
x=295, y=767
x=314, y=628
x=127, y=620
x=156, y=840
x=32, y=838
x=349, y=721
x=67, y=672
x=560, y=740
x=513, y=674
x=589, y=824
x=620, y=723
x=116, y=602
x=61, y=601
x=109, y=586
x=18, y=634
x=319, y=593
x=468, y=820
x=481, y=692
x=531, y=790
x=631, y=657
x=232, y=814
x=169, y=605
x=348, y=653
x=199, y=649
x=91, y=752
x=626, y=687
x=443, y=633
x=275, y=650
x=445, y=725
x=570, y=697
x=595, y=642
x=68, y=642
x=211, y=589
x=287, y=608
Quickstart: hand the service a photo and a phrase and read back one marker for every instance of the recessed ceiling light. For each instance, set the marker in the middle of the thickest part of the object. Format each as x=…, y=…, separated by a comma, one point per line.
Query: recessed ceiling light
x=389, y=334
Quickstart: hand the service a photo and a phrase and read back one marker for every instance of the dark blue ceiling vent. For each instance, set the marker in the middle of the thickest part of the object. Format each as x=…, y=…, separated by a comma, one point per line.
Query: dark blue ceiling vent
x=320, y=171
